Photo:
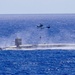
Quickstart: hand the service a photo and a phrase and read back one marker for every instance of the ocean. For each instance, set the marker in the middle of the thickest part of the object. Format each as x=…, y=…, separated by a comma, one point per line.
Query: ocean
x=37, y=62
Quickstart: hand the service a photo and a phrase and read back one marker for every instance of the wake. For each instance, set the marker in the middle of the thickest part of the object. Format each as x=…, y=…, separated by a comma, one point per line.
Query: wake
x=41, y=47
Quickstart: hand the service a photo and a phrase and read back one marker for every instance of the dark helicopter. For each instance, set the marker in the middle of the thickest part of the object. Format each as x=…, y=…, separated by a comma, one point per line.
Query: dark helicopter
x=40, y=26
x=48, y=27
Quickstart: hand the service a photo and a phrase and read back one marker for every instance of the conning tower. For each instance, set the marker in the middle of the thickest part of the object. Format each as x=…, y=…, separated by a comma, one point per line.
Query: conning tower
x=18, y=42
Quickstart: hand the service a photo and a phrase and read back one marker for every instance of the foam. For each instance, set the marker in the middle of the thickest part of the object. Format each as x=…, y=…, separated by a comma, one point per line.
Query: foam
x=42, y=47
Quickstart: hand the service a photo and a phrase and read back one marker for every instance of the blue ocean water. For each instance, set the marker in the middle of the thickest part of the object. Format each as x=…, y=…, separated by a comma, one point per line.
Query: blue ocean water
x=38, y=62
x=62, y=28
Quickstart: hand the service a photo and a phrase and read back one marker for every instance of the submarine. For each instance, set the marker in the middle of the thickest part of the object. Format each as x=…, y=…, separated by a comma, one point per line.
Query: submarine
x=19, y=46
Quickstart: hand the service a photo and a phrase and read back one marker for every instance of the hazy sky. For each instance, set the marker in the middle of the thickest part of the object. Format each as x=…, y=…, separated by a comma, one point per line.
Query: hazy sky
x=36, y=6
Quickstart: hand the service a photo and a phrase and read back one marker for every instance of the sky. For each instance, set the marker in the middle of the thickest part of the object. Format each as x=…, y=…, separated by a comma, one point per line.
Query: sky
x=37, y=6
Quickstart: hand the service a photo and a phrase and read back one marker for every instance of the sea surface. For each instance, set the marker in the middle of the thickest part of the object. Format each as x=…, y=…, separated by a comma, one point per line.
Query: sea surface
x=38, y=62
x=62, y=29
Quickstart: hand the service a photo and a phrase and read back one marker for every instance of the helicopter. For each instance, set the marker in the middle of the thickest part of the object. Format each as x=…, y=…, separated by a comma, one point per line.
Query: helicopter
x=42, y=26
